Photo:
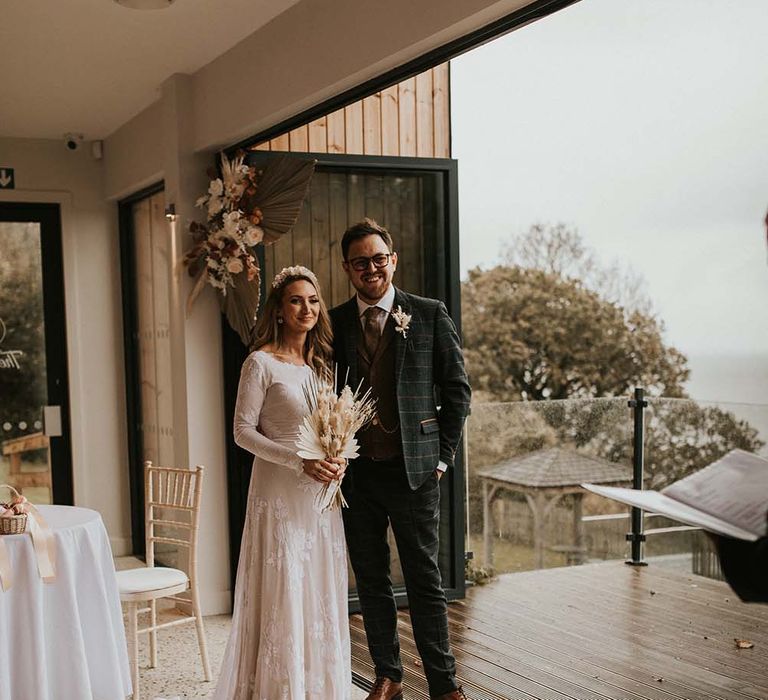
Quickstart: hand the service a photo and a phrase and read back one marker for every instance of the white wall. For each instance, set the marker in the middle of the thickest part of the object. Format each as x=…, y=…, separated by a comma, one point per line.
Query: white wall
x=133, y=155
x=46, y=172
x=198, y=390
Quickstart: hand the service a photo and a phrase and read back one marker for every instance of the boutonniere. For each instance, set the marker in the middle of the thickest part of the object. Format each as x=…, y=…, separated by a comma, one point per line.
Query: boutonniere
x=402, y=321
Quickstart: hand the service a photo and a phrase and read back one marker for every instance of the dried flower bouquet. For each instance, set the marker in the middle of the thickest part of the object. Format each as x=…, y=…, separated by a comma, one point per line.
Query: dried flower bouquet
x=329, y=429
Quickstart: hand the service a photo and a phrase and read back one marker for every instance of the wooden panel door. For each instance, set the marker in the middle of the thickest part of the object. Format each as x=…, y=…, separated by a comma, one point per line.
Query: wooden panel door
x=146, y=269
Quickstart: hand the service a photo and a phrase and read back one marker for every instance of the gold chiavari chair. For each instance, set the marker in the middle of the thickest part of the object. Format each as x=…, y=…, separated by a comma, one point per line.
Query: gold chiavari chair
x=172, y=502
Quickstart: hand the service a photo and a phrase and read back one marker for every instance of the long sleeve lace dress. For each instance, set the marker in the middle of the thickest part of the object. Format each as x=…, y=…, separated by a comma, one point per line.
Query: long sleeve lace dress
x=290, y=628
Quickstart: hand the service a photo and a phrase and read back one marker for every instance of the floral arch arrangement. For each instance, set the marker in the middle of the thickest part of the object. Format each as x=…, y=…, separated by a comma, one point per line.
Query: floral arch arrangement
x=245, y=207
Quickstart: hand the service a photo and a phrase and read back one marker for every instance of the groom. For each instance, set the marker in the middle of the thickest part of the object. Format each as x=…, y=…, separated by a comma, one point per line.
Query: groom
x=405, y=348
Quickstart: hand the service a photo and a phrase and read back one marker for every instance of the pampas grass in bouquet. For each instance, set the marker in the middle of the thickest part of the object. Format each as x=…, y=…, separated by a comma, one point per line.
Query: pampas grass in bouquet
x=329, y=429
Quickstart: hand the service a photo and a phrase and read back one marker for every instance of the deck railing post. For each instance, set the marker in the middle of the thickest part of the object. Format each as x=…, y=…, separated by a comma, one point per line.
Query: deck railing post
x=636, y=537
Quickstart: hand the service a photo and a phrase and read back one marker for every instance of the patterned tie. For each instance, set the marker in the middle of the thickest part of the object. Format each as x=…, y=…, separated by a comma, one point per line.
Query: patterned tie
x=372, y=328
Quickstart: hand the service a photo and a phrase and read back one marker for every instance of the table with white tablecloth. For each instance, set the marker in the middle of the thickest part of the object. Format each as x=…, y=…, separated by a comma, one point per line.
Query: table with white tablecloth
x=63, y=640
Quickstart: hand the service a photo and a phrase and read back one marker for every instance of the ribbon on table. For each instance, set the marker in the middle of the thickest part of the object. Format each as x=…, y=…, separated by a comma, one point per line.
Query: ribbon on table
x=42, y=543
x=6, y=573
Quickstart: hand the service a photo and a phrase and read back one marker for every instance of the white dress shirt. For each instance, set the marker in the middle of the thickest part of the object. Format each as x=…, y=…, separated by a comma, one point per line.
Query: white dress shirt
x=386, y=303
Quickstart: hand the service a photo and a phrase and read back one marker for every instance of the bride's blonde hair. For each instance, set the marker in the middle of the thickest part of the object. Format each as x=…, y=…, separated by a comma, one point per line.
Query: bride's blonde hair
x=318, y=347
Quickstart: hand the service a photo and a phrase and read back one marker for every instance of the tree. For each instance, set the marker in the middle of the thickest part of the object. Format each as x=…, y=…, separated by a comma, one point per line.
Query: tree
x=684, y=436
x=561, y=251
x=531, y=334
x=549, y=325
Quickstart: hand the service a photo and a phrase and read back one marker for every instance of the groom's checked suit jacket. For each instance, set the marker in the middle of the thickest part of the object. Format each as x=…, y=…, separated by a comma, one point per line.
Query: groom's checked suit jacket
x=429, y=370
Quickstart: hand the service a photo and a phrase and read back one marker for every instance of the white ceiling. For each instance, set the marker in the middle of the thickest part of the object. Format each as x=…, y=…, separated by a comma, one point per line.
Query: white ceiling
x=88, y=66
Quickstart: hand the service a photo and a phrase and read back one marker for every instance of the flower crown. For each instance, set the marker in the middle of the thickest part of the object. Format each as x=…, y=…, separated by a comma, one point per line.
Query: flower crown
x=293, y=271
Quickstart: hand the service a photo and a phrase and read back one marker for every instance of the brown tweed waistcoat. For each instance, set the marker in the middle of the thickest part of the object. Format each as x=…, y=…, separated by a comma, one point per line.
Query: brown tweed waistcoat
x=380, y=439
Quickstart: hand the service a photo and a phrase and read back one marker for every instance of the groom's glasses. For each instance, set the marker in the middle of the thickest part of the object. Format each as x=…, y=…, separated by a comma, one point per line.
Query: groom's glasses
x=379, y=260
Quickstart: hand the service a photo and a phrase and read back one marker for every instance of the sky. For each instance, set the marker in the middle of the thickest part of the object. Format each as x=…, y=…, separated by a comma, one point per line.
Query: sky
x=643, y=124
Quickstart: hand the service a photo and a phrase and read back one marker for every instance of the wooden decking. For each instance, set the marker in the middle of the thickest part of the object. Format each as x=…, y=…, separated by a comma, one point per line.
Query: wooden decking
x=594, y=632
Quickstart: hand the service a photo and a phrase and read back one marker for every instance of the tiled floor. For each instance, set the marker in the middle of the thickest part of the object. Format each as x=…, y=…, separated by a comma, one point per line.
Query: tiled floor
x=179, y=673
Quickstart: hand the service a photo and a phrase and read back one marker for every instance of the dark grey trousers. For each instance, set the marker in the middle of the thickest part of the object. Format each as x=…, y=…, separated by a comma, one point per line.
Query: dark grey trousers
x=378, y=494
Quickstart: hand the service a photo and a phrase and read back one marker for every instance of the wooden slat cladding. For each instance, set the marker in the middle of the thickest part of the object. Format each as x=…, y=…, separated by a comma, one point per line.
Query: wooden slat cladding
x=335, y=135
x=353, y=129
x=425, y=116
x=318, y=135
x=390, y=121
x=408, y=119
x=406, y=106
x=441, y=111
x=298, y=139
x=336, y=201
x=372, y=125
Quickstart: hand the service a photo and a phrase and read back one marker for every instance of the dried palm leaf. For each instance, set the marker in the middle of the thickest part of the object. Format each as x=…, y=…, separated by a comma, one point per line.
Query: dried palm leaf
x=282, y=188
x=202, y=278
x=241, y=304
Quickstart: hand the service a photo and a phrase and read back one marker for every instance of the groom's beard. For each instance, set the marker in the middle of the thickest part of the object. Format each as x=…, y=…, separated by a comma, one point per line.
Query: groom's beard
x=371, y=292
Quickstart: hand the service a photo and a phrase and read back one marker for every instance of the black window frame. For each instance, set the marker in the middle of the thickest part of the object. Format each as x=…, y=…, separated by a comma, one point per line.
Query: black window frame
x=445, y=280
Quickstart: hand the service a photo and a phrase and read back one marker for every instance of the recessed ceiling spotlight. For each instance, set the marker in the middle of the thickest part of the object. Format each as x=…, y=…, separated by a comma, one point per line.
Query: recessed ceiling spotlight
x=145, y=4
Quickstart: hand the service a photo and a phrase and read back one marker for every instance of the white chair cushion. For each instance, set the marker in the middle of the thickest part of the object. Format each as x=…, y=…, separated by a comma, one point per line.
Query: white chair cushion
x=149, y=578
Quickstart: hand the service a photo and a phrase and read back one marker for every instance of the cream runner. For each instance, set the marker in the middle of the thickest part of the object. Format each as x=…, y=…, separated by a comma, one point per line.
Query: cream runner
x=42, y=541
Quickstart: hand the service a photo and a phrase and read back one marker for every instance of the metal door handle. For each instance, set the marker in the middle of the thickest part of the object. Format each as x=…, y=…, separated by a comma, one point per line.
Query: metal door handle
x=52, y=421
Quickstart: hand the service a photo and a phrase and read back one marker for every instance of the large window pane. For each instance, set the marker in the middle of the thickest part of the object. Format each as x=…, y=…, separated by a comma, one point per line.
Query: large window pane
x=24, y=460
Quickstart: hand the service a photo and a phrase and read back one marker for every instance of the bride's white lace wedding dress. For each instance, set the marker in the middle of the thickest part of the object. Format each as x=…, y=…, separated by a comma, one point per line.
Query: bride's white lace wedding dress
x=290, y=628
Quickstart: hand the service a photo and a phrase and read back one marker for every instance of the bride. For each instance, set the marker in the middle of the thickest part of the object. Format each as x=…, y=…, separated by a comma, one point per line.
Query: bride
x=290, y=628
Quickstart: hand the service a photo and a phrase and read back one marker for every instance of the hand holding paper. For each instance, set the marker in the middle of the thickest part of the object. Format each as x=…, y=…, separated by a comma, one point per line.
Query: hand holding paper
x=729, y=497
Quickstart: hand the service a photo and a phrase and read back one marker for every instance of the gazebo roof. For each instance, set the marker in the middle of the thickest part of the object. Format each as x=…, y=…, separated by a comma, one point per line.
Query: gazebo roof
x=556, y=467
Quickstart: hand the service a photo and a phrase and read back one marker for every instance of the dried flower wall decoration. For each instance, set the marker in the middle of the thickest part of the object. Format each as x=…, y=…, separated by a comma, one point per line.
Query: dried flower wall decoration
x=245, y=207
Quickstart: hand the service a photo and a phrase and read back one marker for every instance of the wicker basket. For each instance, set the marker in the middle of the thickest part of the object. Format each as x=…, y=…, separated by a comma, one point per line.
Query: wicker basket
x=12, y=524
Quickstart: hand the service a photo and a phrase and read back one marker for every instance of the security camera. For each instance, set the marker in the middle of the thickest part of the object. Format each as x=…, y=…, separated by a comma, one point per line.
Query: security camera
x=73, y=141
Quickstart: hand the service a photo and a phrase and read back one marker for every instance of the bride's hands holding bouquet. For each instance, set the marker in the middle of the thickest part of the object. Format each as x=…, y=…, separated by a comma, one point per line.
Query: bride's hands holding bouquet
x=325, y=470
x=329, y=429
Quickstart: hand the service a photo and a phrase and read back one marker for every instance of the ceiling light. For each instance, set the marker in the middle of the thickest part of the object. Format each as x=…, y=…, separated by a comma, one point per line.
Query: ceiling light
x=145, y=4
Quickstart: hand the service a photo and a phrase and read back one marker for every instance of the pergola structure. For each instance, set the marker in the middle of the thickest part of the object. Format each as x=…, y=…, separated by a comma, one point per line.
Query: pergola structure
x=544, y=477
